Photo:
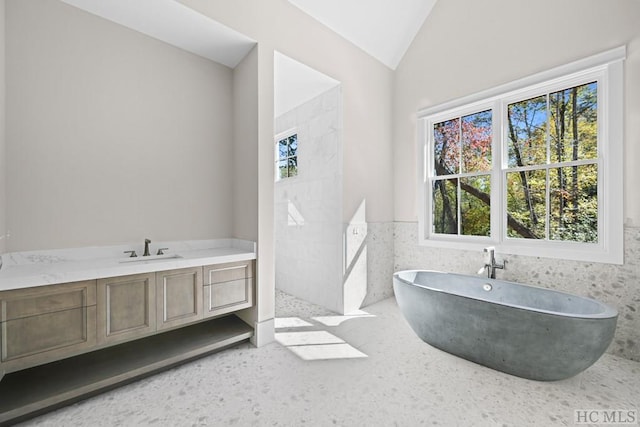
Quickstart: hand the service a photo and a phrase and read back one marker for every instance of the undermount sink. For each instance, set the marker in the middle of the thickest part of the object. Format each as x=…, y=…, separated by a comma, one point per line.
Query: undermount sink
x=150, y=258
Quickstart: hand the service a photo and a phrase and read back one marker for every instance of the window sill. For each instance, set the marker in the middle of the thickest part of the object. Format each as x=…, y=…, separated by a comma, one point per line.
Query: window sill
x=581, y=252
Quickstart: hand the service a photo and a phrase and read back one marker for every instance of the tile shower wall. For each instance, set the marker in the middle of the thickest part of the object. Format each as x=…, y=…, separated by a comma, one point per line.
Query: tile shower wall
x=308, y=207
x=616, y=285
x=368, y=263
x=380, y=262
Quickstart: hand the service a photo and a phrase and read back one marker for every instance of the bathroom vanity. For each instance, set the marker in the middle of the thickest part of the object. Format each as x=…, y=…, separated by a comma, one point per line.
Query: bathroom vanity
x=73, y=323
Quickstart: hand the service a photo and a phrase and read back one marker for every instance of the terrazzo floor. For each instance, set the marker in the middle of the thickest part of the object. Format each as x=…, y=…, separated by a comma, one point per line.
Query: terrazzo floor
x=363, y=370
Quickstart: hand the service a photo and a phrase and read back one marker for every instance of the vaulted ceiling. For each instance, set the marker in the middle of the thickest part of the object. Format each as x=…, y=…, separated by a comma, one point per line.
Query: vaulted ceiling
x=176, y=24
x=382, y=28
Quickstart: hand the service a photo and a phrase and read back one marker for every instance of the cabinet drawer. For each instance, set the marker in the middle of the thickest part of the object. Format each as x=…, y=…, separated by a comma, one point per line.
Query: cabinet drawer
x=46, y=323
x=29, y=336
x=225, y=297
x=228, y=271
x=22, y=303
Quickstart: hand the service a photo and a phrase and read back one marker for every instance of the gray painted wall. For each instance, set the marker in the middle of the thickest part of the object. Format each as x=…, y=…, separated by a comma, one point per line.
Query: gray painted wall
x=367, y=95
x=111, y=136
x=245, y=147
x=3, y=197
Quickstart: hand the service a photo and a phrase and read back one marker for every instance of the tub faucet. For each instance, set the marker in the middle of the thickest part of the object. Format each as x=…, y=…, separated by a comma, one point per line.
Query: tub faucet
x=490, y=264
x=146, y=247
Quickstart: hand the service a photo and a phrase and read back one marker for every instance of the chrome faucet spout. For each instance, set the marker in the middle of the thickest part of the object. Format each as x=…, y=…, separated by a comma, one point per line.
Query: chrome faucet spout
x=146, y=247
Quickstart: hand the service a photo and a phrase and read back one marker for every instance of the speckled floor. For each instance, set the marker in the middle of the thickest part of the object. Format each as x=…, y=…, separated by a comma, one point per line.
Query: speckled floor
x=363, y=370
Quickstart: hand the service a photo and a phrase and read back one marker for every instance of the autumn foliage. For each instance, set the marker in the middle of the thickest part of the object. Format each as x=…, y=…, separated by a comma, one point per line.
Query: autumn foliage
x=550, y=172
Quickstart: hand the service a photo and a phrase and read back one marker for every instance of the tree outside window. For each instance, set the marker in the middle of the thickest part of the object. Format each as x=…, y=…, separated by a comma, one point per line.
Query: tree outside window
x=462, y=165
x=533, y=167
x=550, y=172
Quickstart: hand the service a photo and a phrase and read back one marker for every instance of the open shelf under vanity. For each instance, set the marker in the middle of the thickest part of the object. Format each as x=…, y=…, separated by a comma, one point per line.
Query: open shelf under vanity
x=29, y=392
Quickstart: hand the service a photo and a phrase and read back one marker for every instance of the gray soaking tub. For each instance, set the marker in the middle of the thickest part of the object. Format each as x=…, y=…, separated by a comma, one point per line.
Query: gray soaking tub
x=531, y=332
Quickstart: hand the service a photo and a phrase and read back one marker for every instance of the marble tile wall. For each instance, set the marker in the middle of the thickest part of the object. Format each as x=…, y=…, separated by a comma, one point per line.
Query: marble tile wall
x=616, y=285
x=368, y=263
x=318, y=257
x=308, y=207
x=355, y=263
x=380, y=262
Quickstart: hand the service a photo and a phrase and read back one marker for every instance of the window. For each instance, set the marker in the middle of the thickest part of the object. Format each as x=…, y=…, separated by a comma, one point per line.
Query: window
x=552, y=165
x=533, y=167
x=461, y=183
x=287, y=155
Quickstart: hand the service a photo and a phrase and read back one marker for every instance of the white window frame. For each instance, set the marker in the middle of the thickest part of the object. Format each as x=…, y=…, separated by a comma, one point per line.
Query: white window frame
x=607, y=69
x=276, y=140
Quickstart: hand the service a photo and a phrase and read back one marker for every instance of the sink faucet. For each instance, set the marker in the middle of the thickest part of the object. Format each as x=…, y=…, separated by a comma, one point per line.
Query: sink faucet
x=490, y=264
x=146, y=247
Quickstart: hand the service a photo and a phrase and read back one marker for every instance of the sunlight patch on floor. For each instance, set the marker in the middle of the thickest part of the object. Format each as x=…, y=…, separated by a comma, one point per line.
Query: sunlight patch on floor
x=307, y=338
x=337, y=320
x=327, y=352
x=290, y=322
x=316, y=344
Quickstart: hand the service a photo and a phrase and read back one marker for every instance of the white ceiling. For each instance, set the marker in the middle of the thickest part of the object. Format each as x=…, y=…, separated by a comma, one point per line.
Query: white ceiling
x=175, y=24
x=296, y=83
x=382, y=28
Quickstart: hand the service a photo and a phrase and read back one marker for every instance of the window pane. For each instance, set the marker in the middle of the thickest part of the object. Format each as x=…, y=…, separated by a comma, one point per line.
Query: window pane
x=527, y=127
x=446, y=148
x=475, y=204
x=282, y=169
x=574, y=203
x=445, y=206
x=526, y=204
x=476, y=142
x=293, y=145
x=282, y=149
x=293, y=166
x=574, y=123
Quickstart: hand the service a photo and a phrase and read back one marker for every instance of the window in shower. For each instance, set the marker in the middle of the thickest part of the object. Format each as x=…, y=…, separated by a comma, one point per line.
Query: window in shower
x=534, y=169
x=287, y=155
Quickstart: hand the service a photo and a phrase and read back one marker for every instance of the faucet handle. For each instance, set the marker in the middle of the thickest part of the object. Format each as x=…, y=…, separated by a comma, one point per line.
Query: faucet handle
x=133, y=254
x=160, y=251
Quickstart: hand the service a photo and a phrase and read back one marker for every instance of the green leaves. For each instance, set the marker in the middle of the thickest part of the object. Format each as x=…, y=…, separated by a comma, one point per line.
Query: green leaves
x=551, y=174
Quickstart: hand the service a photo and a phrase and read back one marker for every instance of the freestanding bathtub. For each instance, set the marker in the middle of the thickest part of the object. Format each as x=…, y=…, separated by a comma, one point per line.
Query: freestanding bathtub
x=531, y=332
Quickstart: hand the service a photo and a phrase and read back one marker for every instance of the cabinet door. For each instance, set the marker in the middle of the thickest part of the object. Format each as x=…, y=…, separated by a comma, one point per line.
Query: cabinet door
x=229, y=287
x=179, y=297
x=39, y=325
x=126, y=307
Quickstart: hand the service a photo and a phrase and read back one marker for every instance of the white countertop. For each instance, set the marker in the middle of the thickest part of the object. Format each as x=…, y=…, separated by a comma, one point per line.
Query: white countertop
x=37, y=268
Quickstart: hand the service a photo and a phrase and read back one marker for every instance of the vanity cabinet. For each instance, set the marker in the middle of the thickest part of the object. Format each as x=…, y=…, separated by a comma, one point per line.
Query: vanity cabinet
x=126, y=307
x=42, y=324
x=61, y=342
x=228, y=287
x=38, y=325
x=179, y=297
